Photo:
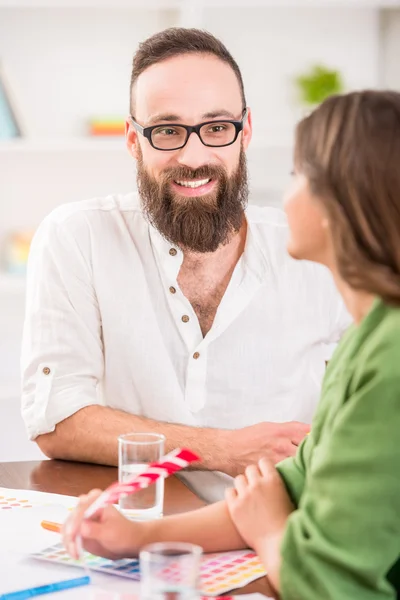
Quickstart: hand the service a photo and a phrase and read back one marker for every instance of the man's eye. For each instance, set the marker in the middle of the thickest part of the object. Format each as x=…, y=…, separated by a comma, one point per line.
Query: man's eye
x=217, y=128
x=166, y=131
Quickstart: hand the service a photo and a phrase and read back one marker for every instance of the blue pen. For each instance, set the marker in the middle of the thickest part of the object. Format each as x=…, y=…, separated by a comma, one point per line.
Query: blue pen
x=46, y=589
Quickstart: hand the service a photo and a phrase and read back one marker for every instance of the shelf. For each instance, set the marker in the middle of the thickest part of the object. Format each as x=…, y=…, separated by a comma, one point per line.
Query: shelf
x=196, y=4
x=19, y=145
x=300, y=3
x=97, y=4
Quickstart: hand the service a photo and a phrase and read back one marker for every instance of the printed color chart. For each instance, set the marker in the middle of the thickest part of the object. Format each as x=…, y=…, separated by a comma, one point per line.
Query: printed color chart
x=7, y=502
x=17, y=499
x=220, y=572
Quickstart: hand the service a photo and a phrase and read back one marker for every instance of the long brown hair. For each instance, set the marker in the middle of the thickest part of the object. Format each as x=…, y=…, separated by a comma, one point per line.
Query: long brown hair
x=349, y=150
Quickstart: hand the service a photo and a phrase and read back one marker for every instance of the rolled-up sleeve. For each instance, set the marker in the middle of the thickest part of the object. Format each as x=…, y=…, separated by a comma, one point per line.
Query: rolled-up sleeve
x=62, y=354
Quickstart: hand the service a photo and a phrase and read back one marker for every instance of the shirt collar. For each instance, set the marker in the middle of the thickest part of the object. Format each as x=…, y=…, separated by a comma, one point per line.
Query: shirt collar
x=171, y=256
x=168, y=255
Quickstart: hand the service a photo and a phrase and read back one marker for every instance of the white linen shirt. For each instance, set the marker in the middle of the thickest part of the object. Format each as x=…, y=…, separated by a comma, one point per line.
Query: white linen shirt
x=104, y=326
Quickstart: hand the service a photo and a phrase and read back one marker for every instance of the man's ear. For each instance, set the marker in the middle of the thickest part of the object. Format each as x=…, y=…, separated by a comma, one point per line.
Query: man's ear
x=131, y=139
x=247, y=130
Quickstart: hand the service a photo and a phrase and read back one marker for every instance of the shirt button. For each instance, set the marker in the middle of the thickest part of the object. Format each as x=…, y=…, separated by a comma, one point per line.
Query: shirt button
x=172, y=289
x=185, y=318
x=172, y=252
x=196, y=355
x=46, y=371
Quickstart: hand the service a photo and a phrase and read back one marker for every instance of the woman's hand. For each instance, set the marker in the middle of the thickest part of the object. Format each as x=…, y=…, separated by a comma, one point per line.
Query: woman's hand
x=259, y=505
x=107, y=533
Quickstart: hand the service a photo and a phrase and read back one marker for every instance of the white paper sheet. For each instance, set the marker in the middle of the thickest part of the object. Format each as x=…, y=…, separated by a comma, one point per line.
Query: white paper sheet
x=22, y=534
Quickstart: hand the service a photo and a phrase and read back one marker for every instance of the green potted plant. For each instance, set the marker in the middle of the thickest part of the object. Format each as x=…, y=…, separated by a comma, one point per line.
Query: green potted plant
x=317, y=84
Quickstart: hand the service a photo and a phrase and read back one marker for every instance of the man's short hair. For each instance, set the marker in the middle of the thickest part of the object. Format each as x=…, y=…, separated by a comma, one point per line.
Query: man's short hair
x=177, y=41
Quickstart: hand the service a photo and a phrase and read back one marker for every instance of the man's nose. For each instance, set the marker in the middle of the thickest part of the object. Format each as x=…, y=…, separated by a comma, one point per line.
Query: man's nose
x=195, y=154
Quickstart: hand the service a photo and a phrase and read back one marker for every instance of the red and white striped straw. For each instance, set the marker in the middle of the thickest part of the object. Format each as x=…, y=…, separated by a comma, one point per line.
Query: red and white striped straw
x=167, y=465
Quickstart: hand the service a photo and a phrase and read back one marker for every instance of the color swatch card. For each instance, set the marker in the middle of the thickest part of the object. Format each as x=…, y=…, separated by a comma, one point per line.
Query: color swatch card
x=220, y=572
x=105, y=595
x=225, y=571
x=18, y=499
x=10, y=500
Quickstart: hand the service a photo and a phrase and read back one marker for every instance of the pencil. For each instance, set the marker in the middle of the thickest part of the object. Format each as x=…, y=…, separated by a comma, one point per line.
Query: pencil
x=46, y=589
x=51, y=526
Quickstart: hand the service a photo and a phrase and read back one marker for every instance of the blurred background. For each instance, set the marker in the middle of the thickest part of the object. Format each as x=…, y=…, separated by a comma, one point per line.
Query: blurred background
x=64, y=81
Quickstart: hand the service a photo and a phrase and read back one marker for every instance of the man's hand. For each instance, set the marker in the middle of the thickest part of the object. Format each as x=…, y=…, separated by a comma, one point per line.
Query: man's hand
x=275, y=441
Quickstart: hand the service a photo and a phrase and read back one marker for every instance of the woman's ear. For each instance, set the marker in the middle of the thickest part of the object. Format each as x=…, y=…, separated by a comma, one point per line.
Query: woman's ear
x=325, y=223
x=131, y=139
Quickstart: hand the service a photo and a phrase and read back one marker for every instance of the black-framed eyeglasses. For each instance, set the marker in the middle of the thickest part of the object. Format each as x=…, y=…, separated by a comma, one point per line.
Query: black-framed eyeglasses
x=174, y=136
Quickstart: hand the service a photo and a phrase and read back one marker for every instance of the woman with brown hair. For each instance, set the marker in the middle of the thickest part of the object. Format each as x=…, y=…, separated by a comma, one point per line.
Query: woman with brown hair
x=325, y=523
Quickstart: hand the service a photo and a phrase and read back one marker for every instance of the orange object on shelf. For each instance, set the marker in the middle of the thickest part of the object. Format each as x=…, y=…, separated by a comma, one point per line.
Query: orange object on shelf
x=15, y=251
x=107, y=127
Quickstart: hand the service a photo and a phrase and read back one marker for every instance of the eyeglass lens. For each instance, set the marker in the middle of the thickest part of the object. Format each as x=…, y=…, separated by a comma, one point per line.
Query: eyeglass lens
x=213, y=134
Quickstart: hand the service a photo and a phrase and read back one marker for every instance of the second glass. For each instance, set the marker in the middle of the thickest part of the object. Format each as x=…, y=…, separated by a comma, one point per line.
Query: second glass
x=170, y=571
x=135, y=452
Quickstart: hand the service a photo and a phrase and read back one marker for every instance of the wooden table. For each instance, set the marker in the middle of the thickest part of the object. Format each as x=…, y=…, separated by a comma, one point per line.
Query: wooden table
x=73, y=479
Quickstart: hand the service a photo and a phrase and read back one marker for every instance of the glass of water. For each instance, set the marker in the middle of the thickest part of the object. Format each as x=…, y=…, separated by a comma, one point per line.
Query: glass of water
x=170, y=571
x=135, y=452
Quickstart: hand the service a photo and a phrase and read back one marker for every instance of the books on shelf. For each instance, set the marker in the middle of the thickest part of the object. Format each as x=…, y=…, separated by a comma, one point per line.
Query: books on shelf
x=10, y=121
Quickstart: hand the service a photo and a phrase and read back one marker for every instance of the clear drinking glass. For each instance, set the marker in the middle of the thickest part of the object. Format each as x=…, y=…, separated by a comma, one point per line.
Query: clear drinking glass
x=170, y=571
x=135, y=452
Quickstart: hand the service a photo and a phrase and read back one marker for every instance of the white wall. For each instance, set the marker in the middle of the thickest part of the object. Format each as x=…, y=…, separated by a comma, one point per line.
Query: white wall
x=14, y=444
x=69, y=64
x=32, y=183
x=390, y=54
x=11, y=313
x=274, y=45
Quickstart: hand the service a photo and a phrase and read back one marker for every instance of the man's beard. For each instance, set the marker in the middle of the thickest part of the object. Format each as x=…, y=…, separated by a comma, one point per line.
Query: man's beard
x=198, y=224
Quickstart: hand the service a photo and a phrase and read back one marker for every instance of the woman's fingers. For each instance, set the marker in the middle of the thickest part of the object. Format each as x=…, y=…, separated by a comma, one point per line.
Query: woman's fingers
x=266, y=467
x=240, y=484
x=96, y=528
x=91, y=529
x=72, y=525
x=253, y=474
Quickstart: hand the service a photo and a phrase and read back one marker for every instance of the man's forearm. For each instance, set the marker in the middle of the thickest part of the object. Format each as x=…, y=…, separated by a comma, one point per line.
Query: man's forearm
x=90, y=435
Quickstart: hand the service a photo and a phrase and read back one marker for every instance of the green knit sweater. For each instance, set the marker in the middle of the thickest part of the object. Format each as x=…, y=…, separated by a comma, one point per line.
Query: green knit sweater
x=343, y=541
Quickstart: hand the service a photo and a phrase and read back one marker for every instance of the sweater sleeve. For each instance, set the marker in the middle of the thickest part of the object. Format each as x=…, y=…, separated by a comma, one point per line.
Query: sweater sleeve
x=345, y=536
x=292, y=471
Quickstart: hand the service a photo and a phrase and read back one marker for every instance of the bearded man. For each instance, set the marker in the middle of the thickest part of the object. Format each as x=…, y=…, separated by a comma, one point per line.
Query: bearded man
x=176, y=309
